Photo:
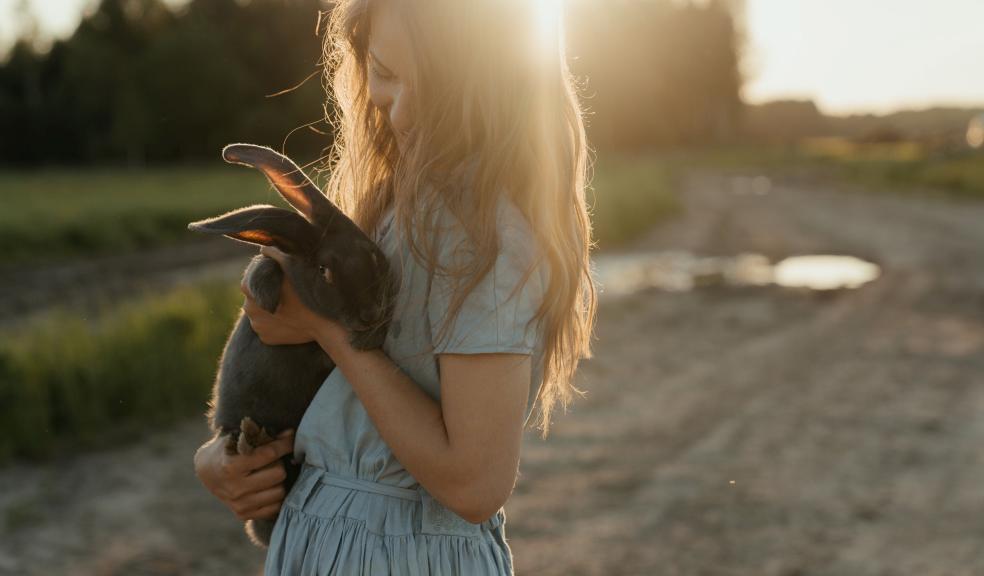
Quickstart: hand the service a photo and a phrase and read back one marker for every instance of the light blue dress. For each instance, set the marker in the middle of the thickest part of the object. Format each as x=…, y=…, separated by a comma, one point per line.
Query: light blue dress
x=355, y=510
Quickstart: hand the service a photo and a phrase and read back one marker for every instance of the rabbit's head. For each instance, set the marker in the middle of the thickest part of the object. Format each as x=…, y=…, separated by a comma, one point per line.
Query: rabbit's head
x=336, y=269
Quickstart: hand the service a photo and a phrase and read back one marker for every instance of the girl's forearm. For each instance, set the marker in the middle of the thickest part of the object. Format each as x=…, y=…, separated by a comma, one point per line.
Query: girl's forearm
x=410, y=422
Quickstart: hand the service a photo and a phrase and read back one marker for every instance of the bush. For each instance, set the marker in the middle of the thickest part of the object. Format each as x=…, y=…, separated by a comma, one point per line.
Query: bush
x=69, y=382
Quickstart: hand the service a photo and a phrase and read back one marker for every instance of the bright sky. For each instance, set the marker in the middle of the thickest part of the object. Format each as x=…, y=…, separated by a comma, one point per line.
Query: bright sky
x=57, y=17
x=867, y=55
x=848, y=55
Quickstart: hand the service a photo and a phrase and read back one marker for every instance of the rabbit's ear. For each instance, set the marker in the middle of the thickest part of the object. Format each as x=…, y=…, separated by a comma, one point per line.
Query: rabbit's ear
x=287, y=178
x=265, y=225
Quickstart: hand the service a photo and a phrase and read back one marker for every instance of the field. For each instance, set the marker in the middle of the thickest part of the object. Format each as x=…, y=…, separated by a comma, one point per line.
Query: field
x=63, y=213
x=898, y=167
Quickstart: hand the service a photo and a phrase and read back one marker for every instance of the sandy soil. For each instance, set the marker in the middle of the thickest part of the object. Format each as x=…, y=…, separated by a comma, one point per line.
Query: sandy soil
x=725, y=431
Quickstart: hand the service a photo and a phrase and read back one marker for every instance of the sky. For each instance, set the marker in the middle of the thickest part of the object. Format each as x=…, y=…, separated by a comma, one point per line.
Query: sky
x=866, y=55
x=849, y=56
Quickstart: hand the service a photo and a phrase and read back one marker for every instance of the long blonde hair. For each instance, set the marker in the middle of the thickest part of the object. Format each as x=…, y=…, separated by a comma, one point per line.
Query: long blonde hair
x=492, y=84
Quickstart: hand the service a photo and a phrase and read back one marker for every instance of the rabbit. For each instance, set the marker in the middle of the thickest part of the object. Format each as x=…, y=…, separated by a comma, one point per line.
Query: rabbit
x=336, y=270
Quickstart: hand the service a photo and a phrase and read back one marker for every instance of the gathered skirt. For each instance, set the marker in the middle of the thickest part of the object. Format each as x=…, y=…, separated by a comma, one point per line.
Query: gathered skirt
x=333, y=524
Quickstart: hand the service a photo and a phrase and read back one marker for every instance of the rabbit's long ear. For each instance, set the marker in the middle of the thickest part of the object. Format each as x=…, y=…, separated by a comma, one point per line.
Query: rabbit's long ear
x=287, y=178
x=264, y=225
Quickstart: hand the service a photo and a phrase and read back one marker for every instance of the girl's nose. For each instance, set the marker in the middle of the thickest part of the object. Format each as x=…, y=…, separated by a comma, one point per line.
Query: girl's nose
x=400, y=112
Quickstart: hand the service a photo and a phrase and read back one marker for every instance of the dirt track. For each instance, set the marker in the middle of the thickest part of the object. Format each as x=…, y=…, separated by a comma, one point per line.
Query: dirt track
x=726, y=431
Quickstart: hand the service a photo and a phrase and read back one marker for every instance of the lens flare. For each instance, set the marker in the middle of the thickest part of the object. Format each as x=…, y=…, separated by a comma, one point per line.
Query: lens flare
x=548, y=18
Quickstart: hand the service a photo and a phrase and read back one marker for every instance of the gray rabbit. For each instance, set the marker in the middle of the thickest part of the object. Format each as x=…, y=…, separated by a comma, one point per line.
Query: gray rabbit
x=336, y=270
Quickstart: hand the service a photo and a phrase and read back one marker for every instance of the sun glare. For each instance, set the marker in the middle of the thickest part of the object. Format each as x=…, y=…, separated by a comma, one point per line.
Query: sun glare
x=548, y=17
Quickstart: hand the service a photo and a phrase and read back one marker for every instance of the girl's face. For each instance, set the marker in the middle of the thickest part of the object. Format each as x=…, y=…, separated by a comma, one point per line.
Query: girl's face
x=391, y=68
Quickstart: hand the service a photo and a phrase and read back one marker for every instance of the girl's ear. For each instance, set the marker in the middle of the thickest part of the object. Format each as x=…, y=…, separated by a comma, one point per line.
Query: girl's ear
x=287, y=178
x=264, y=225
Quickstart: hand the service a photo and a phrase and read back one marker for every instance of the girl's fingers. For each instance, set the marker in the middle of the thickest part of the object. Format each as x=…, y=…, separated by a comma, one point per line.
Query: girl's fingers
x=271, y=452
x=245, y=464
x=268, y=477
x=254, y=312
x=248, y=506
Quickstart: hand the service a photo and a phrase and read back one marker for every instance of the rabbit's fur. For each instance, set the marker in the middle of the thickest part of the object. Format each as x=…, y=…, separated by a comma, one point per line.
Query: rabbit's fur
x=336, y=270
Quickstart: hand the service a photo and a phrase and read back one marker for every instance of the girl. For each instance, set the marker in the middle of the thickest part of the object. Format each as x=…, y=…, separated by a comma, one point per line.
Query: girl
x=460, y=144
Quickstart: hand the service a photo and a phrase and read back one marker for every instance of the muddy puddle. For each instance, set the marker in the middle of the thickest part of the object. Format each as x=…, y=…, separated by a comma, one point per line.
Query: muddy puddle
x=675, y=271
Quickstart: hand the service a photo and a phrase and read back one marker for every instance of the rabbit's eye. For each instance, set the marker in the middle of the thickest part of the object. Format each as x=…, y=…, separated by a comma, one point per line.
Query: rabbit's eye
x=326, y=273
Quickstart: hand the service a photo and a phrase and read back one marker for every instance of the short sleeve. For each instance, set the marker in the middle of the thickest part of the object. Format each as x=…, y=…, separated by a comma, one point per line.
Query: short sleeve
x=498, y=314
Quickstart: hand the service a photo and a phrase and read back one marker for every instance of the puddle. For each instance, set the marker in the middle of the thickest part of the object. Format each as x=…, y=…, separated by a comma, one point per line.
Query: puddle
x=824, y=272
x=623, y=274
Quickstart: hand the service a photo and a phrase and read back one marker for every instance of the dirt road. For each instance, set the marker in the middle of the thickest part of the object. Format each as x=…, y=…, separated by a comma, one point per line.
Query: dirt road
x=725, y=431
x=764, y=431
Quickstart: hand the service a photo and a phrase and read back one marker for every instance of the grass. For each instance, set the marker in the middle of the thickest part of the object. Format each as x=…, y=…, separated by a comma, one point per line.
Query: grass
x=899, y=167
x=68, y=213
x=629, y=195
x=71, y=382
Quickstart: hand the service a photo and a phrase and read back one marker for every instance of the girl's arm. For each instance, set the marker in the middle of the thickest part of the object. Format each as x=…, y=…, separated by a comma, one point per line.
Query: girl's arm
x=463, y=450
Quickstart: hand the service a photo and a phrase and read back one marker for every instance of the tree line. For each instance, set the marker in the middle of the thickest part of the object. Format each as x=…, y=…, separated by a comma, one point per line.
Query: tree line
x=140, y=82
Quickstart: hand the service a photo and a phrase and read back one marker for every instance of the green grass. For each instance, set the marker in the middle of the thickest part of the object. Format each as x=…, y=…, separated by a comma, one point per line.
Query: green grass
x=892, y=167
x=629, y=195
x=70, y=382
x=63, y=213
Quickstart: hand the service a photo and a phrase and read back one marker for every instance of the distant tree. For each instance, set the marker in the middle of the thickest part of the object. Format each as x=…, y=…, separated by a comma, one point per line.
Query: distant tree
x=138, y=83
x=784, y=122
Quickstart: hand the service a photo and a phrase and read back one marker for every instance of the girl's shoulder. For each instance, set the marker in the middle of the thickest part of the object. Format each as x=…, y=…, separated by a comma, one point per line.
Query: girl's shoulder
x=516, y=242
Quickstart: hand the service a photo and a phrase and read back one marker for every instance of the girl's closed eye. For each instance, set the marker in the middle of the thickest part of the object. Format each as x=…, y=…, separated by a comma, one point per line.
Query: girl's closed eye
x=379, y=70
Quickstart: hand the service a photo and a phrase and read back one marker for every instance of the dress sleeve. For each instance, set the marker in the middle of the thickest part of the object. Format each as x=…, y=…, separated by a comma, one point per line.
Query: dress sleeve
x=497, y=315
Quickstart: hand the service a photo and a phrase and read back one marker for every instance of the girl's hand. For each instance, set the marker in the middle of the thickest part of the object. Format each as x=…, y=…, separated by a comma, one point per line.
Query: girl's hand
x=251, y=485
x=272, y=329
x=293, y=322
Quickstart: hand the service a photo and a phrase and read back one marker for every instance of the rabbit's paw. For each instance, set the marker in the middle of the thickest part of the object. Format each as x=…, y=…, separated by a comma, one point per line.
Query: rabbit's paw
x=232, y=442
x=251, y=436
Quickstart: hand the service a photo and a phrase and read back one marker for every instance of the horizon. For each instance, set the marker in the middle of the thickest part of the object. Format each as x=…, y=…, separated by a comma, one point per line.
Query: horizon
x=876, y=56
x=789, y=53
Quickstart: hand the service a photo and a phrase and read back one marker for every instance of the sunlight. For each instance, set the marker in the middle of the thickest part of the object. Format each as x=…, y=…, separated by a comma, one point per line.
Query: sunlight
x=827, y=49
x=548, y=18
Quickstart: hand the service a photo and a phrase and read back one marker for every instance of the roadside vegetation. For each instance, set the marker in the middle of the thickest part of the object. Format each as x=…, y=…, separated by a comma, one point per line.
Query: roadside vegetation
x=897, y=167
x=58, y=214
x=629, y=195
x=71, y=382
